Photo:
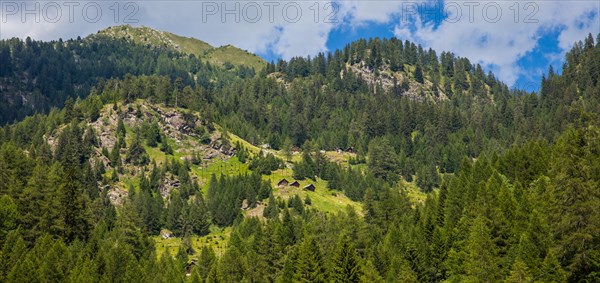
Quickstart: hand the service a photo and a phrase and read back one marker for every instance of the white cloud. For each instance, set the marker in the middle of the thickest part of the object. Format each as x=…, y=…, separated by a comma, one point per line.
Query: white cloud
x=501, y=40
x=360, y=12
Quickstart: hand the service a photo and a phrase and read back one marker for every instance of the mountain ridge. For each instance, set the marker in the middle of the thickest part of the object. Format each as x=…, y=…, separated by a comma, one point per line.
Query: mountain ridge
x=220, y=56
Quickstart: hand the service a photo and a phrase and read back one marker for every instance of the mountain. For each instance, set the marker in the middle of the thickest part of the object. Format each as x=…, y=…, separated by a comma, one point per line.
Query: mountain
x=37, y=76
x=409, y=167
x=159, y=39
x=220, y=56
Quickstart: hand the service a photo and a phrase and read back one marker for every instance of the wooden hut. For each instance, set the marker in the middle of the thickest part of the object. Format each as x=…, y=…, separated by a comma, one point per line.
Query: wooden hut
x=310, y=187
x=282, y=183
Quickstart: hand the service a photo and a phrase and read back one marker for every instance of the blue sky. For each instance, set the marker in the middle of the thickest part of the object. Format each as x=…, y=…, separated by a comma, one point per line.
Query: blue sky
x=517, y=40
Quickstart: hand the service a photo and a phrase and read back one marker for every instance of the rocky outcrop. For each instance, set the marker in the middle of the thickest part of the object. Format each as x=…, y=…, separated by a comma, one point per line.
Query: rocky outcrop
x=385, y=78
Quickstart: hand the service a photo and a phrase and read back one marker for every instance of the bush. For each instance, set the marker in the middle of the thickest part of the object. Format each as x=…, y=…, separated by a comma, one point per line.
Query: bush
x=205, y=138
x=265, y=165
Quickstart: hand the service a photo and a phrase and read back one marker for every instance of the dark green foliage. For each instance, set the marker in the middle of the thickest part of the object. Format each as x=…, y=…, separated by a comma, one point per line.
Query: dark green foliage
x=518, y=178
x=151, y=133
x=265, y=164
x=8, y=216
x=165, y=146
x=307, y=200
x=382, y=160
x=346, y=263
x=59, y=70
x=310, y=265
x=296, y=203
x=312, y=166
x=241, y=152
x=271, y=211
x=136, y=154
x=205, y=138
x=226, y=194
x=419, y=74
x=75, y=216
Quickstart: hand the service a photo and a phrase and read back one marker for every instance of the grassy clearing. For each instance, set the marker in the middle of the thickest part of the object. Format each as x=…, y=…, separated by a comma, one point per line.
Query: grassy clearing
x=217, y=240
x=322, y=198
x=228, y=167
x=190, y=44
x=339, y=157
x=234, y=139
x=413, y=192
x=221, y=55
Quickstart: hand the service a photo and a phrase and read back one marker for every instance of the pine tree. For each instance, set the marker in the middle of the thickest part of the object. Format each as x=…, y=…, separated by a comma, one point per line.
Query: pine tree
x=231, y=266
x=24, y=271
x=8, y=216
x=346, y=266
x=551, y=271
x=75, y=217
x=199, y=217
x=83, y=271
x=56, y=263
x=175, y=212
x=115, y=156
x=271, y=211
x=370, y=273
x=519, y=273
x=13, y=252
x=419, y=73
x=213, y=276
x=287, y=149
x=401, y=271
x=575, y=197
x=482, y=261
x=205, y=262
x=121, y=130
x=310, y=266
x=136, y=154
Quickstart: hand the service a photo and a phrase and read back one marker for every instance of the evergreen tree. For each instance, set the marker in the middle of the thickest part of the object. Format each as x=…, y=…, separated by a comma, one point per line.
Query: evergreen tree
x=419, y=74
x=519, y=273
x=346, y=266
x=482, y=260
x=136, y=154
x=310, y=265
x=271, y=211
x=8, y=216
x=75, y=214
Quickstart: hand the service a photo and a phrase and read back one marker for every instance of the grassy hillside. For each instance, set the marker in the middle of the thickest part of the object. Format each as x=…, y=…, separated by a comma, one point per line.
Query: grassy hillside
x=220, y=56
x=189, y=44
x=184, y=145
x=231, y=54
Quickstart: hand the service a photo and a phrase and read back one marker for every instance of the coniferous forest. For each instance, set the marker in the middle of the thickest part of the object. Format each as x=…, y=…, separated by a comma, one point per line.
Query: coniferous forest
x=122, y=162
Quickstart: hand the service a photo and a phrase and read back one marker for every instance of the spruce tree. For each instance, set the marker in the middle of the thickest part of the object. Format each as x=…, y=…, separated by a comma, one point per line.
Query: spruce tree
x=519, y=273
x=310, y=265
x=346, y=263
x=419, y=73
x=482, y=260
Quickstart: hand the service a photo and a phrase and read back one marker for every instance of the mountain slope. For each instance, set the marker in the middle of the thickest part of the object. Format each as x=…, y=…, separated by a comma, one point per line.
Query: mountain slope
x=160, y=39
x=145, y=167
x=36, y=76
x=220, y=56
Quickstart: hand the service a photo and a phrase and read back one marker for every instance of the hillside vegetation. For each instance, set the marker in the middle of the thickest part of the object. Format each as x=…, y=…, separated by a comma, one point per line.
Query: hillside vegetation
x=225, y=56
x=167, y=169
